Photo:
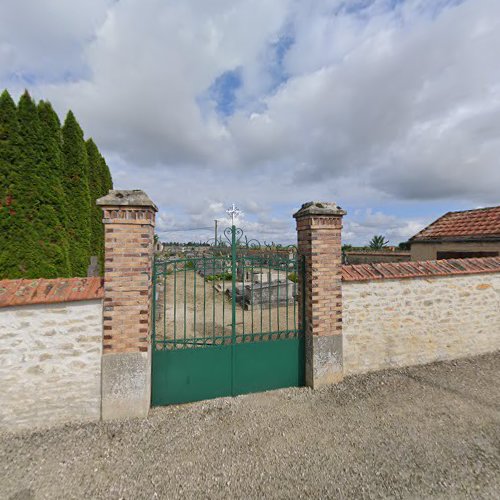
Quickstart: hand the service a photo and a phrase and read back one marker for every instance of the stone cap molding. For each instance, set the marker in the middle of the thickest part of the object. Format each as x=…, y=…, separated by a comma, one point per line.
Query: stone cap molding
x=49, y=291
x=325, y=208
x=126, y=198
x=420, y=269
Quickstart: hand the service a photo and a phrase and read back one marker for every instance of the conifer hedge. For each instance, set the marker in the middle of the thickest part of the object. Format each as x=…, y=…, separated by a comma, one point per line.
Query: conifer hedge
x=50, y=178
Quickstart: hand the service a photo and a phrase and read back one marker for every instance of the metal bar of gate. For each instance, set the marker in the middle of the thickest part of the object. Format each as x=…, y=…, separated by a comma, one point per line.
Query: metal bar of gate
x=233, y=302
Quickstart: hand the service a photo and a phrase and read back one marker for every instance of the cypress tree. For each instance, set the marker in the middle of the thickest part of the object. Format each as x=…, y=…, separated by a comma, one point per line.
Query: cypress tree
x=100, y=183
x=52, y=220
x=27, y=259
x=9, y=165
x=49, y=181
x=107, y=181
x=76, y=187
x=95, y=187
x=9, y=142
x=106, y=185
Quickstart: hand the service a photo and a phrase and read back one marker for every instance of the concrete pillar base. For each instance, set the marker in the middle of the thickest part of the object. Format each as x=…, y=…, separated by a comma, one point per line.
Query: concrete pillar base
x=324, y=364
x=126, y=385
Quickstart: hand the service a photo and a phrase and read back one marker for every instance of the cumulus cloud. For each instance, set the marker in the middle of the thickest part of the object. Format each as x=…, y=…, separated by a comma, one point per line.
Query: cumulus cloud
x=270, y=104
x=367, y=223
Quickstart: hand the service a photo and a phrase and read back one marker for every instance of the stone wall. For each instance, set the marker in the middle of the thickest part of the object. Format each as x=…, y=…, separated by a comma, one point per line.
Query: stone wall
x=50, y=364
x=401, y=322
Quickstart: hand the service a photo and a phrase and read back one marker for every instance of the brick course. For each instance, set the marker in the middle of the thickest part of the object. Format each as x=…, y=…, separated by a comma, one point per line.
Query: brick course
x=319, y=242
x=129, y=237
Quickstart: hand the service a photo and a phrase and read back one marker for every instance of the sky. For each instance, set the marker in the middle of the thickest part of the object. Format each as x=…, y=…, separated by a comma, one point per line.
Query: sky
x=390, y=108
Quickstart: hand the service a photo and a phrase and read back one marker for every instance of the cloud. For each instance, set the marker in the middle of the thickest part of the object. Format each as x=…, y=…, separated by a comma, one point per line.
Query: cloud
x=408, y=101
x=363, y=226
x=45, y=41
x=270, y=104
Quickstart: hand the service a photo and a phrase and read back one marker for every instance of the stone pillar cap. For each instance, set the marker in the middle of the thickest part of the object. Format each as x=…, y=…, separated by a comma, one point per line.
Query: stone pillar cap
x=319, y=208
x=130, y=198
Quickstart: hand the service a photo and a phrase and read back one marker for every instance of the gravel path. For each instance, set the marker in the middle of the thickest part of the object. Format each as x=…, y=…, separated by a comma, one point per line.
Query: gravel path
x=430, y=431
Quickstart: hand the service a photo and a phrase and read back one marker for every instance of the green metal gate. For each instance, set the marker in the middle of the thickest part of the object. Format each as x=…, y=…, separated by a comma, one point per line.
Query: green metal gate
x=227, y=322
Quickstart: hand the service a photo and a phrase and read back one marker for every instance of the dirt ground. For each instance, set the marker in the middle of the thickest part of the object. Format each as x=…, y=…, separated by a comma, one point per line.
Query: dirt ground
x=424, y=432
x=207, y=311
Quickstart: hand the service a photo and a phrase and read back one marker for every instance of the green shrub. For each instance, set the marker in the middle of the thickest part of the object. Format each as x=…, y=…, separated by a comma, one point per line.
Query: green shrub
x=219, y=277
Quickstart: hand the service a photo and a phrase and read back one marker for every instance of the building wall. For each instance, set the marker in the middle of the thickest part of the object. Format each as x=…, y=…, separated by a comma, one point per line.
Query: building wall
x=402, y=322
x=50, y=364
x=428, y=251
x=374, y=257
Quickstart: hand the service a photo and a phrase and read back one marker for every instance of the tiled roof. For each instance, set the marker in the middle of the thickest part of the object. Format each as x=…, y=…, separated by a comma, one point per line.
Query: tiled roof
x=45, y=291
x=421, y=269
x=483, y=223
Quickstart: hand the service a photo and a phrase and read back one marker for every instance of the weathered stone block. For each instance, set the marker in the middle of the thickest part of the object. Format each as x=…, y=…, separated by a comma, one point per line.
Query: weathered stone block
x=324, y=360
x=126, y=385
x=266, y=294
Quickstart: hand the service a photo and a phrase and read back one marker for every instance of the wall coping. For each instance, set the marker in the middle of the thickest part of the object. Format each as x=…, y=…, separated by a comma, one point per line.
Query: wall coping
x=126, y=198
x=48, y=291
x=419, y=269
x=325, y=208
x=388, y=253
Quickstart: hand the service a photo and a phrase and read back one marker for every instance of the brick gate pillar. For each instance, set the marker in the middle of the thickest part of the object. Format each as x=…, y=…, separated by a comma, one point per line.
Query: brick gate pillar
x=129, y=221
x=319, y=226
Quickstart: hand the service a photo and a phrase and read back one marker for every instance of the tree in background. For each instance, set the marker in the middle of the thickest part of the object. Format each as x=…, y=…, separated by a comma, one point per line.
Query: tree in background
x=9, y=165
x=378, y=242
x=99, y=185
x=49, y=223
x=52, y=212
x=26, y=190
x=95, y=189
x=76, y=187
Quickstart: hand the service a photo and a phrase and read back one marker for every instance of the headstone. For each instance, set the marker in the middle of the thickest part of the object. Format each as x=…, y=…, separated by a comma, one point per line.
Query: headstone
x=93, y=269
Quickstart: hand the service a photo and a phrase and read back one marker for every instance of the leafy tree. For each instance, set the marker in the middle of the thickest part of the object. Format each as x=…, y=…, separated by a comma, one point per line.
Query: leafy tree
x=404, y=245
x=76, y=187
x=9, y=143
x=48, y=217
x=99, y=185
x=52, y=217
x=378, y=242
x=32, y=235
x=95, y=190
x=106, y=179
x=9, y=175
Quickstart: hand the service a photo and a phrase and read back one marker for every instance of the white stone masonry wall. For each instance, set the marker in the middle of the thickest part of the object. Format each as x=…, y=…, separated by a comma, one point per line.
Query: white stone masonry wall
x=395, y=323
x=50, y=364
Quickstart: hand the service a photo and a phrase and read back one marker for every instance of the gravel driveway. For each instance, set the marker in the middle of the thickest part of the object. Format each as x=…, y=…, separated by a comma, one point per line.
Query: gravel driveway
x=430, y=431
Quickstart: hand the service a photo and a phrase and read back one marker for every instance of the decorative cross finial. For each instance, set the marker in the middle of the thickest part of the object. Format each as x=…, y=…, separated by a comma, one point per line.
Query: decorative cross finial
x=233, y=212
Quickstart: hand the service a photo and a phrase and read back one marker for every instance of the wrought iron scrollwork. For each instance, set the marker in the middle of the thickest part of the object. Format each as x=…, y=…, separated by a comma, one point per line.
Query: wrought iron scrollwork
x=228, y=233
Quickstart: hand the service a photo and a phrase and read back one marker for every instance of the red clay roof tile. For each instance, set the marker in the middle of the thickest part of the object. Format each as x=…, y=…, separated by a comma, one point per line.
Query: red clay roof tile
x=399, y=270
x=47, y=291
x=483, y=223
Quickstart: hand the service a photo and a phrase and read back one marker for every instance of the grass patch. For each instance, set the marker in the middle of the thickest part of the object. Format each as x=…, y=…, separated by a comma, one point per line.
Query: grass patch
x=219, y=277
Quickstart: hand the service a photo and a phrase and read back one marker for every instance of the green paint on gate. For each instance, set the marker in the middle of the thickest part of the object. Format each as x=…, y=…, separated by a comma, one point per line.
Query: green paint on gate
x=197, y=353
x=186, y=375
x=262, y=366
